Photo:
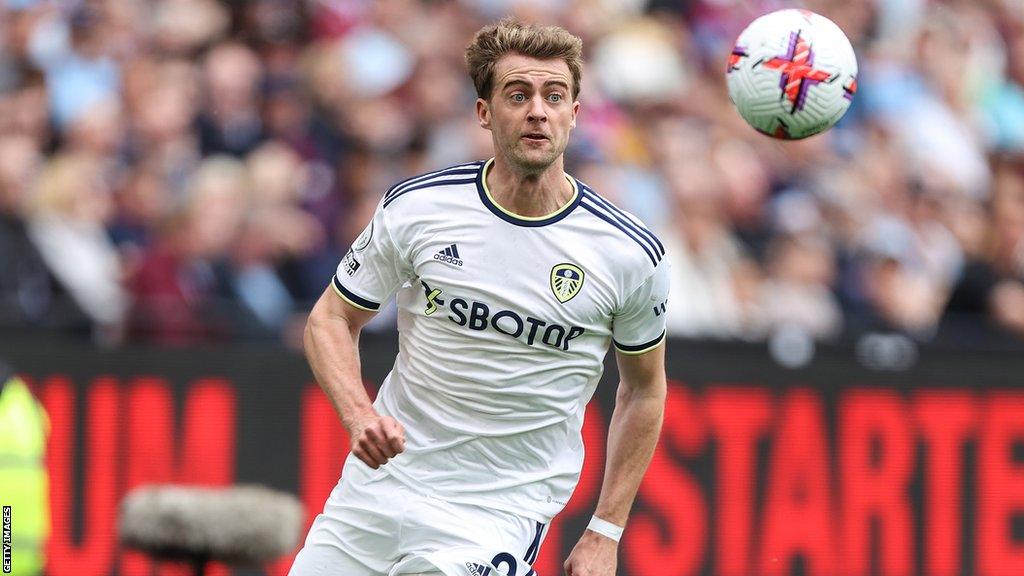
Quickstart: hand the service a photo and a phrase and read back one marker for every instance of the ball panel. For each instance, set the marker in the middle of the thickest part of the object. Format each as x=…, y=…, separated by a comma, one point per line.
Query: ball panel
x=792, y=73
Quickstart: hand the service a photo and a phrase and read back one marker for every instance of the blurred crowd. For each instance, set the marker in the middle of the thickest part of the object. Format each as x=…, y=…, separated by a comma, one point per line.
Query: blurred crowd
x=177, y=171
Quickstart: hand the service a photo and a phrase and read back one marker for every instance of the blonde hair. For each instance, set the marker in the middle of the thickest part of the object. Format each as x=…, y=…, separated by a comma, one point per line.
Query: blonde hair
x=61, y=183
x=218, y=177
x=510, y=36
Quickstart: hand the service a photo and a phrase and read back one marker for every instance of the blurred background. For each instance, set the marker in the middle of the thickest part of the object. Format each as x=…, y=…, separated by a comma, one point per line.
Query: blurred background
x=186, y=171
x=179, y=177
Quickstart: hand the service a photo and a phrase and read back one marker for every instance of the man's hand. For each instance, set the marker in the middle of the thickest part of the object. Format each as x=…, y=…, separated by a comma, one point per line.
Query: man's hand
x=593, y=555
x=377, y=439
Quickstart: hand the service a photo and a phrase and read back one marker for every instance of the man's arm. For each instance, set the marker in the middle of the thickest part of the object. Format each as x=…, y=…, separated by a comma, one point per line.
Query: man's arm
x=331, y=343
x=632, y=438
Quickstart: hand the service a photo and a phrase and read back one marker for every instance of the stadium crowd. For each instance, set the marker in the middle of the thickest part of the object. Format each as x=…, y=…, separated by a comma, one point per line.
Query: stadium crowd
x=176, y=171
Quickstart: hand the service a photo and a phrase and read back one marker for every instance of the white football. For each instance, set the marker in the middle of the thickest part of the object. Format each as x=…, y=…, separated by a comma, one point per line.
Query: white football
x=792, y=74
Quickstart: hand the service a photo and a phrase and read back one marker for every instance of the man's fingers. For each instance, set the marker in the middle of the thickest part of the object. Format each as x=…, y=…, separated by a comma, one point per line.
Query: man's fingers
x=379, y=442
x=573, y=566
x=371, y=455
x=369, y=461
x=395, y=434
x=389, y=437
x=367, y=446
x=397, y=444
x=388, y=450
x=377, y=437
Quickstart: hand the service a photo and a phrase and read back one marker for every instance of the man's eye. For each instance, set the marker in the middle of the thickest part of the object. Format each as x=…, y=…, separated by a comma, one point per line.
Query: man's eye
x=518, y=97
x=555, y=97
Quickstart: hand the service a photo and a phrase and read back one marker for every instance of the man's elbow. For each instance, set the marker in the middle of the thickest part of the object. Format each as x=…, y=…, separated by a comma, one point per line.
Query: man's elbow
x=653, y=390
x=324, y=323
x=307, y=336
x=314, y=324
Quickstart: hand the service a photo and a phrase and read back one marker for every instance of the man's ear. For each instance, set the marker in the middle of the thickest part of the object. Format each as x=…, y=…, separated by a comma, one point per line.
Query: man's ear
x=483, y=113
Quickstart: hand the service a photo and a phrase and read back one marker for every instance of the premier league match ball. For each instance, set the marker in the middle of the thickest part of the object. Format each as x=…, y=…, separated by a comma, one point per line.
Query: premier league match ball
x=792, y=74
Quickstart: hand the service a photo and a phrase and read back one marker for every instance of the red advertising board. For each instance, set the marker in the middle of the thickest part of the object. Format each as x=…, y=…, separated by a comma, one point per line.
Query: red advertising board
x=831, y=470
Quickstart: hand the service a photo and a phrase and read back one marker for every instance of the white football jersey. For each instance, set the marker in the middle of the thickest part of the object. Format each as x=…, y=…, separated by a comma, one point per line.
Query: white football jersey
x=504, y=322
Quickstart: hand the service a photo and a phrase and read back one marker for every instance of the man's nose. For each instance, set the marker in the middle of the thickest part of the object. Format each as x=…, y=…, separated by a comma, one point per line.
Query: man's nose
x=537, y=112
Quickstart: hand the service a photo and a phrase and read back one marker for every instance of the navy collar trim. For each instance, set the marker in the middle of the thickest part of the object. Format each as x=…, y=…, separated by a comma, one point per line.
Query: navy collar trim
x=512, y=218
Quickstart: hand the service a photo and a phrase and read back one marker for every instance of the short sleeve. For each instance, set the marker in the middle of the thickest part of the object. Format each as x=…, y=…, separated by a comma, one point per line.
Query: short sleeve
x=639, y=325
x=373, y=269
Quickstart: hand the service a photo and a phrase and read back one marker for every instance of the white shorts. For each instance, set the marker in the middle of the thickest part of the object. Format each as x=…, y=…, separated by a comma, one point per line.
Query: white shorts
x=373, y=525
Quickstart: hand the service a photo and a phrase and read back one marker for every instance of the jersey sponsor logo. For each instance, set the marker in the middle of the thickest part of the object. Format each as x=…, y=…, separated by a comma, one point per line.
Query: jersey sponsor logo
x=449, y=255
x=566, y=281
x=480, y=316
x=363, y=240
x=433, y=299
x=350, y=263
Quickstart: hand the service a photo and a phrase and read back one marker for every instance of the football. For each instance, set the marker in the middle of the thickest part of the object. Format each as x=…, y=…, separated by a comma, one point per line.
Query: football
x=792, y=74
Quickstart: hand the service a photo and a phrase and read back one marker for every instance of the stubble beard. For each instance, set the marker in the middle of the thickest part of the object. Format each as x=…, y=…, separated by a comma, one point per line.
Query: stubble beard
x=532, y=161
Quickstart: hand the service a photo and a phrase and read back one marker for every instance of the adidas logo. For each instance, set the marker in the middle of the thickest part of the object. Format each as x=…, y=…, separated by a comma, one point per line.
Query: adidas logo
x=449, y=255
x=477, y=569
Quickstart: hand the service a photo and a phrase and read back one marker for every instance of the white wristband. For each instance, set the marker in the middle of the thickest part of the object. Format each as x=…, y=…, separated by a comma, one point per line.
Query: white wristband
x=605, y=528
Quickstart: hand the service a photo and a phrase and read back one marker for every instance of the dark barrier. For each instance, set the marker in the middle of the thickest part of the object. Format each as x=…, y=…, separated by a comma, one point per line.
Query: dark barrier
x=833, y=469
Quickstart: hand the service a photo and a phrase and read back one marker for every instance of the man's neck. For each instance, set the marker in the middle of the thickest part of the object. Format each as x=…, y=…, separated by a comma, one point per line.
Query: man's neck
x=527, y=194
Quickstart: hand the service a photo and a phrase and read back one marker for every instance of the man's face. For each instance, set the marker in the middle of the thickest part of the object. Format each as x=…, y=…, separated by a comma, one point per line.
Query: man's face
x=531, y=110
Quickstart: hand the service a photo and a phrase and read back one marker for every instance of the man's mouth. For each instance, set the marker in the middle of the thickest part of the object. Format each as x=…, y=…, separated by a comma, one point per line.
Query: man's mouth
x=535, y=136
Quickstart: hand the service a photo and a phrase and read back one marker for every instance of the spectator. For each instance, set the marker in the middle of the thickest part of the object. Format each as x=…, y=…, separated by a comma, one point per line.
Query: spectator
x=906, y=215
x=182, y=288
x=67, y=216
x=295, y=240
x=797, y=292
x=712, y=276
x=231, y=124
x=26, y=287
x=85, y=74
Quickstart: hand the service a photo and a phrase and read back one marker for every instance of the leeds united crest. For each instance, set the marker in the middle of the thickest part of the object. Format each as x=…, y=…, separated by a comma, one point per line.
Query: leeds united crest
x=566, y=281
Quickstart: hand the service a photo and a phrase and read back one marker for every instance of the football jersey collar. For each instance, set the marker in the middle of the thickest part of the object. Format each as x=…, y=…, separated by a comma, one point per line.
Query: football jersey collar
x=485, y=197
